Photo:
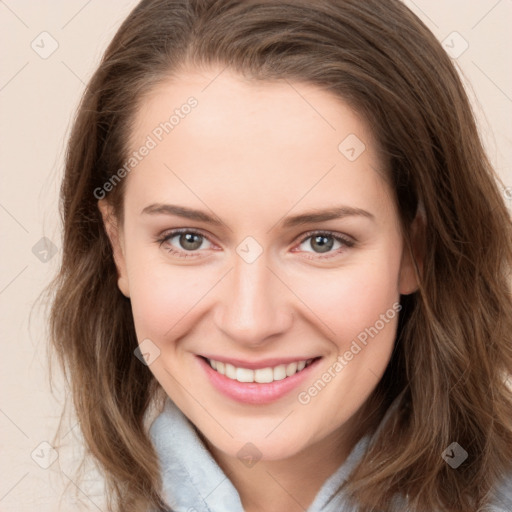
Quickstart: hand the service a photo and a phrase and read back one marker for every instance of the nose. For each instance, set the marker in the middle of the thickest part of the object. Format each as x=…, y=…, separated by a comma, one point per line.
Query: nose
x=254, y=305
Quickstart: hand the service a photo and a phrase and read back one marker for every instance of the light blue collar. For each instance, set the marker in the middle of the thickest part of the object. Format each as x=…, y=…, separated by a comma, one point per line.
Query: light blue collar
x=193, y=481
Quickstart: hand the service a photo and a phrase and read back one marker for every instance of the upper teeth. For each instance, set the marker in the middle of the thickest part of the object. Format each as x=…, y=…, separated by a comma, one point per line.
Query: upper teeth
x=261, y=375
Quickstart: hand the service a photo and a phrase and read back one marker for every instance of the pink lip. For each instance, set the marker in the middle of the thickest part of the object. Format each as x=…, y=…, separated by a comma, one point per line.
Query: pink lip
x=253, y=392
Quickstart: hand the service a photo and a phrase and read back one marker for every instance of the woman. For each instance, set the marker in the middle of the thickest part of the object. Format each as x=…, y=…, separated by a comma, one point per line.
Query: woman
x=283, y=239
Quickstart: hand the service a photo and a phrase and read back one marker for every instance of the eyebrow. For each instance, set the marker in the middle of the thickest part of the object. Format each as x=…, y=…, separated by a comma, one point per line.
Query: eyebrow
x=325, y=215
x=309, y=217
x=181, y=211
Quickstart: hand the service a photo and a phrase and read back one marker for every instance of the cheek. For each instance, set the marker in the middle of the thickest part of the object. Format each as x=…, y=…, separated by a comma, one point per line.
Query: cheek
x=164, y=297
x=361, y=309
x=351, y=299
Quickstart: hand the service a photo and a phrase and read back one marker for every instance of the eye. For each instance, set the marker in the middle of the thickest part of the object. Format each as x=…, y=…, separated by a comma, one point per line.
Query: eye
x=182, y=241
x=186, y=243
x=325, y=242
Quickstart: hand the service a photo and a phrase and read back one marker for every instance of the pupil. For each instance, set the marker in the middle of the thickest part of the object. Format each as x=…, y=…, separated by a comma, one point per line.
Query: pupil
x=190, y=241
x=324, y=243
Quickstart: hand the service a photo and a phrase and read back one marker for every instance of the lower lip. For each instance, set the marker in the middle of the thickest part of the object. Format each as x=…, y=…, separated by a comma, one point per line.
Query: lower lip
x=254, y=392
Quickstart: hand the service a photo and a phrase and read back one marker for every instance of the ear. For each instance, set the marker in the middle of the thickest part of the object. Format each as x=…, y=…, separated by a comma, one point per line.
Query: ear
x=115, y=236
x=411, y=268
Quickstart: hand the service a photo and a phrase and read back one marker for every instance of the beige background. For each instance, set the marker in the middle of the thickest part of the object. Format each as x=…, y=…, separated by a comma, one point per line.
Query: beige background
x=38, y=97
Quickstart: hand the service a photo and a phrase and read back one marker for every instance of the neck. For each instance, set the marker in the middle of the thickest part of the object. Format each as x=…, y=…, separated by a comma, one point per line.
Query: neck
x=291, y=484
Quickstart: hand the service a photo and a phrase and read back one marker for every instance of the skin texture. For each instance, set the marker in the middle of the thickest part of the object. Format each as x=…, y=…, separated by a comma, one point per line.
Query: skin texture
x=251, y=154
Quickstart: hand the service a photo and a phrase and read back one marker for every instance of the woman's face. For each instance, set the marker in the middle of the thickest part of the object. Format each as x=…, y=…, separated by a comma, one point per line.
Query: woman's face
x=289, y=251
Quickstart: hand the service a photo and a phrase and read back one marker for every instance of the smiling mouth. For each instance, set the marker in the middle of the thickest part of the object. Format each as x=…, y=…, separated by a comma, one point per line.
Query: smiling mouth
x=259, y=375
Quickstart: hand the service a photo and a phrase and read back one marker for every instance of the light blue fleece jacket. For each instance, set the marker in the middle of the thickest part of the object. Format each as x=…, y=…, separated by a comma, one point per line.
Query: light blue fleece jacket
x=194, y=482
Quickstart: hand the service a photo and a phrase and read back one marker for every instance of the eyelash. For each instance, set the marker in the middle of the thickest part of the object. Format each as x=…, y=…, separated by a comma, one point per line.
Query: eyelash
x=345, y=241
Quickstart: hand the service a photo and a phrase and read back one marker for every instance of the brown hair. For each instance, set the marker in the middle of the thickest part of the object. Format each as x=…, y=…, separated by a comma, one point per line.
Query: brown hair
x=454, y=341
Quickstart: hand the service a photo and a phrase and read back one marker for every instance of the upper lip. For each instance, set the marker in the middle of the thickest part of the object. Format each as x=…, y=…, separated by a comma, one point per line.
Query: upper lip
x=264, y=363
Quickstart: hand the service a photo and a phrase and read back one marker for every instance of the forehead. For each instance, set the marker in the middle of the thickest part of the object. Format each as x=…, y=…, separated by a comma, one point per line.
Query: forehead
x=280, y=112
x=280, y=138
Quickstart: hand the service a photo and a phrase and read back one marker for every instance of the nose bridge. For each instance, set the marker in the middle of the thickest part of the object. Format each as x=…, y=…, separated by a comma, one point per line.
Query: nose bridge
x=251, y=307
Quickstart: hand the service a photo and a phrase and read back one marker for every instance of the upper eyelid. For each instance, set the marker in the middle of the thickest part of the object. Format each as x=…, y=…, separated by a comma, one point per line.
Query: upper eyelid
x=166, y=235
x=334, y=234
